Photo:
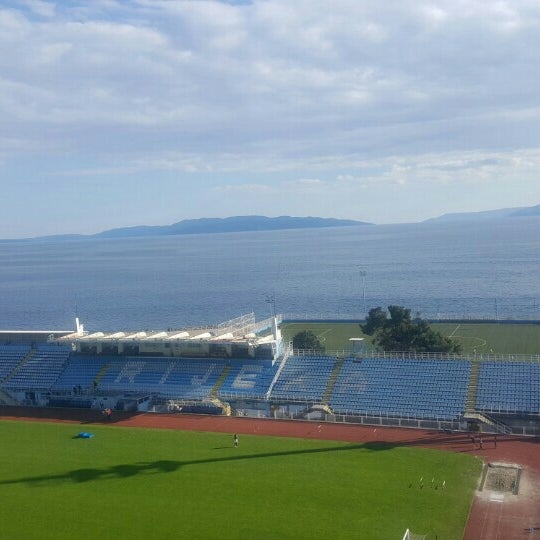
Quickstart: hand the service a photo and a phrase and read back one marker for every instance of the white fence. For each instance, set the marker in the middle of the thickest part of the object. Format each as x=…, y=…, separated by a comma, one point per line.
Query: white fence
x=409, y=355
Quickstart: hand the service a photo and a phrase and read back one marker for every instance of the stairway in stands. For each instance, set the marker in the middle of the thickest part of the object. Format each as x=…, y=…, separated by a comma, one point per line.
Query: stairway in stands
x=332, y=380
x=470, y=402
x=99, y=376
x=220, y=381
x=16, y=369
x=214, y=392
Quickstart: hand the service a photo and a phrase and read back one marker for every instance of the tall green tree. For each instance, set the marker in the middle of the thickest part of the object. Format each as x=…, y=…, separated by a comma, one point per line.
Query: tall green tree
x=307, y=340
x=400, y=333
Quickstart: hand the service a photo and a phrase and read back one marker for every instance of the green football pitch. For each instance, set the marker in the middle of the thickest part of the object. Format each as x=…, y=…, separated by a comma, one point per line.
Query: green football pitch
x=499, y=338
x=139, y=483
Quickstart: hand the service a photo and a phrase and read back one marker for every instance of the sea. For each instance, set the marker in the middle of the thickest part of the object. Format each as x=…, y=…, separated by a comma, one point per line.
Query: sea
x=439, y=270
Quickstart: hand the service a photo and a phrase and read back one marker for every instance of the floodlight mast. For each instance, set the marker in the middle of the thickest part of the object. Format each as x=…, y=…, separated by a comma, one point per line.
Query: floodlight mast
x=271, y=299
x=363, y=276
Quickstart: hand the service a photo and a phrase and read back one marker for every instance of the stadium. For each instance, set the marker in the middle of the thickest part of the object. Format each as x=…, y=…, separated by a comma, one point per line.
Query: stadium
x=242, y=376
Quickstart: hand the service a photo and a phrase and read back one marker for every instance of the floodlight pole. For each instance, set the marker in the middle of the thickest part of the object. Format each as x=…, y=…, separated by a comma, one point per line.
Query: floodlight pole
x=363, y=276
x=271, y=299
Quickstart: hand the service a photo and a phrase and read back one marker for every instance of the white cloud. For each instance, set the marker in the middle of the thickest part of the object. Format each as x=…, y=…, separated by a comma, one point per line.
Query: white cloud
x=309, y=182
x=274, y=68
x=366, y=94
x=40, y=7
x=244, y=189
x=449, y=168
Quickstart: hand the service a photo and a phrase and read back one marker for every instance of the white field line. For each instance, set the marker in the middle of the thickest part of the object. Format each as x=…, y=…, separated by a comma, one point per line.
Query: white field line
x=482, y=343
x=455, y=330
x=321, y=335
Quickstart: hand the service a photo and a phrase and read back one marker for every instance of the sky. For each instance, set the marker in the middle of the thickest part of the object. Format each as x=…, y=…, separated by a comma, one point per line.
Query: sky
x=126, y=112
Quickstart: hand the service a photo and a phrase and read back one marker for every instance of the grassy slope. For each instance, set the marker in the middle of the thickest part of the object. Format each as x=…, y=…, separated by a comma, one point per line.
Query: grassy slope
x=127, y=483
x=484, y=338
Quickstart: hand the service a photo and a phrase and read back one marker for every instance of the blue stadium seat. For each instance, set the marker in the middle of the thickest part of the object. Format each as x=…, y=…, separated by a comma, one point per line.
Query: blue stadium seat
x=509, y=387
x=414, y=388
x=304, y=378
x=247, y=380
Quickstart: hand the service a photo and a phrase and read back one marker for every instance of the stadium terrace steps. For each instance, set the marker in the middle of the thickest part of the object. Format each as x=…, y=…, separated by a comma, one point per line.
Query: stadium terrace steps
x=486, y=419
x=40, y=368
x=277, y=375
x=81, y=370
x=470, y=403
x=304, y=378
x=225, y=407
x=11, y=358
x=332, y=381
x=101, y=374
x=220, y=381
x=14, y=375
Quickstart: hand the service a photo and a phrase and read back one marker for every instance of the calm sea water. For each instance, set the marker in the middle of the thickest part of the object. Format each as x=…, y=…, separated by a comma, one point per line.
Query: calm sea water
x=481, y=270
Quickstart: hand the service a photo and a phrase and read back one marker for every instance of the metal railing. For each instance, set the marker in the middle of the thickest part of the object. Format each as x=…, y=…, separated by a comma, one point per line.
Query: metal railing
x=410, y=355
x=531, y=315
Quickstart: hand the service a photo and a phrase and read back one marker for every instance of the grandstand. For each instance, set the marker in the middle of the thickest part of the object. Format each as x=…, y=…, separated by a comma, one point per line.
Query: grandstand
x=40, y=369
x=246, y=380
x=509, y=387
x=304, y=378
x=187, y=378
x=243, y=367
x=415, y=388
x=10, y=357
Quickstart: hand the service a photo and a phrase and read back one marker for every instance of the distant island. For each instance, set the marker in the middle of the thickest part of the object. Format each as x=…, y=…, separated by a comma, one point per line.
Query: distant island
x=487, y=215
x=230, y=224
x=264, y=223
x=215, y=225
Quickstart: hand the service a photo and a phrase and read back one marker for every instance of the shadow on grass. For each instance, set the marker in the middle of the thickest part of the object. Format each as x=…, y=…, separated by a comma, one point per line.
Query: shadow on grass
x=459, y=441
x=87, y=475
x=378, y=445
x=83, y=416
x=166, y=466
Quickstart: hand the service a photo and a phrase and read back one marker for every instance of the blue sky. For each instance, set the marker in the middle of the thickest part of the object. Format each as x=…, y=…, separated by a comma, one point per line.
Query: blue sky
x=117, y=113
